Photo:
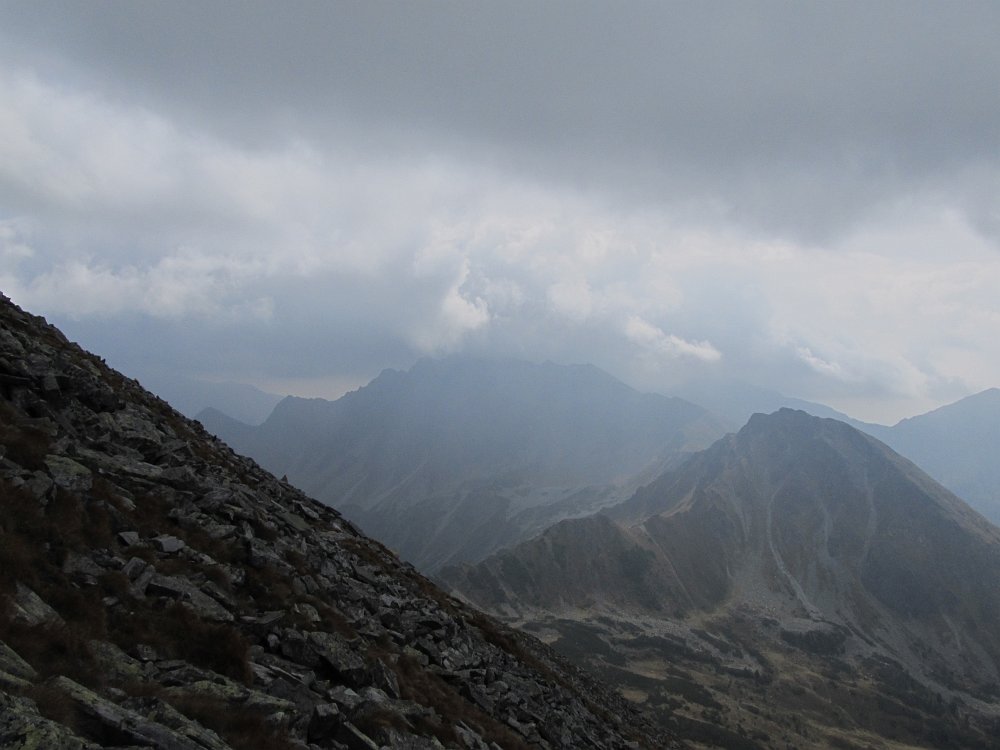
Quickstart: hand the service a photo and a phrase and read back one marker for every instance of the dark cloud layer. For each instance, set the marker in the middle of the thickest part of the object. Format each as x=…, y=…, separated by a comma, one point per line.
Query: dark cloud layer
x=795, y=116
x=803, y=194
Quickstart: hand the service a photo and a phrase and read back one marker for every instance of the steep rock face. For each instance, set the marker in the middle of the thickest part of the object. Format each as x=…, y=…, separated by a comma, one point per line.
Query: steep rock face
x=458, y=457
x=157, y=590
x=796, y=532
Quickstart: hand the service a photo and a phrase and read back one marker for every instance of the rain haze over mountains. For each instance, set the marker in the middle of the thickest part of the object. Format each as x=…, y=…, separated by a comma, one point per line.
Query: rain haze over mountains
x=663, y=332
x=800, y=198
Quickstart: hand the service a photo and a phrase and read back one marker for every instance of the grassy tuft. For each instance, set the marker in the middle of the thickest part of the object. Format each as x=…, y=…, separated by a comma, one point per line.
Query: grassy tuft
x=422, y=686
x=239, y=727
x=178, y=633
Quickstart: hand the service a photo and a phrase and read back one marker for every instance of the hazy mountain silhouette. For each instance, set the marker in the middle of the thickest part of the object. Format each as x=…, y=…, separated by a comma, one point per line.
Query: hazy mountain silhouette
x=734, y=401
x=457, y=457
x=191, y=396
x=795, y=533
x=958, y=445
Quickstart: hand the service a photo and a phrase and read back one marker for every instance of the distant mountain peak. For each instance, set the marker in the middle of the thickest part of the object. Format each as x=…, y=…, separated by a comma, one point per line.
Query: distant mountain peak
x=807, y=503
x=461, y=455
x=799, y=541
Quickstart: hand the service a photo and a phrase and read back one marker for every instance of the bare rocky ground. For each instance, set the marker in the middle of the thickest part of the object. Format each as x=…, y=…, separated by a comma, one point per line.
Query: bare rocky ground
x=157, y=590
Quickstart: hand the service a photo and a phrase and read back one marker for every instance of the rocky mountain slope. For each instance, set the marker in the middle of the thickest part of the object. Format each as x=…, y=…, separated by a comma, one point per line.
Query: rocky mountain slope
x=157, y=590
x=798, y=568
x=458, y=457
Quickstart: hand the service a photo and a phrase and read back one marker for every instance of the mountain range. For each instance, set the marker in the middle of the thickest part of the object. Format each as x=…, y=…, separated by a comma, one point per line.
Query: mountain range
x=797, y=583
x=799, y=558
x=457, y=457
x=399, y=457
x=191, y=396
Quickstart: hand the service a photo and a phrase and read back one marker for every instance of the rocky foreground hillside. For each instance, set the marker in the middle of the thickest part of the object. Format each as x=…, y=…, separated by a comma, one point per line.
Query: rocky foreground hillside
x=157, y=590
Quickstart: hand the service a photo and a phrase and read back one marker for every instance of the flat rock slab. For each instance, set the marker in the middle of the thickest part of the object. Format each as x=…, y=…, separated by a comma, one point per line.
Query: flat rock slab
x=180, y=588
x=23, y=728
x=12, y=663
x=136, y=728
x=29, y=609
x=168, y=544
x=68, y=474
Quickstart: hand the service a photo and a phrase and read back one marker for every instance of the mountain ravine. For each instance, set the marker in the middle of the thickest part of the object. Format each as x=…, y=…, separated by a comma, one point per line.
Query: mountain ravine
x=798, y=583
x=159, y=591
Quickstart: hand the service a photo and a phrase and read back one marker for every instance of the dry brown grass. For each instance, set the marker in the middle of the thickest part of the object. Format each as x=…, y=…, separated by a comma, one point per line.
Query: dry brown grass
x=24, y=445
x=151, y=517
x=178, y=633
x=239, y=727
x=428, y=689
x=298, y=561
x=56, y=705
x=375, y=718
x=53, y=704
x=22, y=533
x=269, y=588
x=33, y=544
x=55, y=649
x=74, y=524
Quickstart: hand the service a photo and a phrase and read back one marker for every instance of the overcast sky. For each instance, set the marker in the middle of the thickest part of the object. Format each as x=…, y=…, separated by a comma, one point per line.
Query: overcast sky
x=297, y=195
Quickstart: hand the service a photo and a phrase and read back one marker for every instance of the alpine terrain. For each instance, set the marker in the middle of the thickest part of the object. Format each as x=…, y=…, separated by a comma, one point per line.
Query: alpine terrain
x=958, y=444
x=458, y=457
x=159, y=591
x=798, y=584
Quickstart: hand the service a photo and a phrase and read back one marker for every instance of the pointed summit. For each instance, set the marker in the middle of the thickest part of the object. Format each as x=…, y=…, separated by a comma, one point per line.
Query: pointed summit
x=796, y=531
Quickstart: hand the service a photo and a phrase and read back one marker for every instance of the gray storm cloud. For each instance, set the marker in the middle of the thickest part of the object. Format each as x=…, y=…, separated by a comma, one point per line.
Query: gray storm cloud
x=805, y=195
x=793, y=116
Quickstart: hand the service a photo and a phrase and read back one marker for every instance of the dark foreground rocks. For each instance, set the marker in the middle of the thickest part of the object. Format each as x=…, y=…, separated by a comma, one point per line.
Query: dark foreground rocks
x=157, y=590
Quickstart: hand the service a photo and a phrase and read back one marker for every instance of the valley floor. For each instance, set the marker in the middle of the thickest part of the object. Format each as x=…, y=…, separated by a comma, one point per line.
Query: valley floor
x=721, y=682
